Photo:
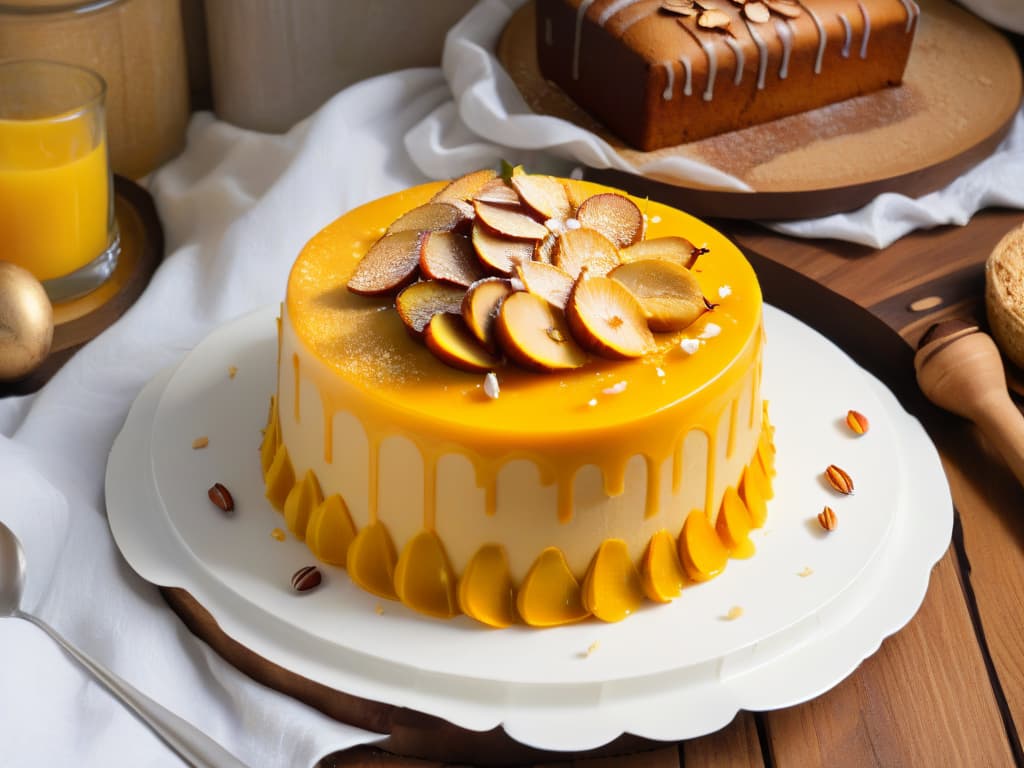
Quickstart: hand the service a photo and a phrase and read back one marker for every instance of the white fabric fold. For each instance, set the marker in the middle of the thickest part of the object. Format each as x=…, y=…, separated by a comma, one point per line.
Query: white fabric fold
x=236, y=207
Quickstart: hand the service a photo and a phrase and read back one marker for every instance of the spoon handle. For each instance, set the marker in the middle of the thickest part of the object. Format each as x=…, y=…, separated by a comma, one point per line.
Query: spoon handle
x=191, y=744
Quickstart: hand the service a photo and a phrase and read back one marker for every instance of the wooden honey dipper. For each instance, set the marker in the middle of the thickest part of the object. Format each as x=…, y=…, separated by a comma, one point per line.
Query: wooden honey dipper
x=960, y=370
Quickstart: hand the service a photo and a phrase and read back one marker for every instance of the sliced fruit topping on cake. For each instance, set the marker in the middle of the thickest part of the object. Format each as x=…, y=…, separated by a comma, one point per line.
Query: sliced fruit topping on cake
x=668, y=292
x=497, y=253
x=534, y=334
x=607, y=319
x=544, y=195
x=451, y=258
x=579, y=248
x=453, y=343
x=614, y=216
x=510, y=222
x=433, y=217
x=418, y=303
x=480, y=307
x=465, y=187
x=391, y=263
x=672, y=248
x=547, y=281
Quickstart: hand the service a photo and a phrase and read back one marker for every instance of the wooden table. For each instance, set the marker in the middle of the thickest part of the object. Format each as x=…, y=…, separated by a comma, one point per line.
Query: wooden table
x=948, y=689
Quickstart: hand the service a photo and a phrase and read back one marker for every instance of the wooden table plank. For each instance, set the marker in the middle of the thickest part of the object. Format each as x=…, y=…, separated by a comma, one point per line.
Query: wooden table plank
x=735, y=746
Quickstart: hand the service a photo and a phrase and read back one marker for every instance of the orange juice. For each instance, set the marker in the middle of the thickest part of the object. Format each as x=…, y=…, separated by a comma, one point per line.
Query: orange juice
x=54, y=194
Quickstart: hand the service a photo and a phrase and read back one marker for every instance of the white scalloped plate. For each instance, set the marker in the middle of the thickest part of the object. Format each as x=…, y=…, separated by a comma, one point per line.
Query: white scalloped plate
x=668, y=672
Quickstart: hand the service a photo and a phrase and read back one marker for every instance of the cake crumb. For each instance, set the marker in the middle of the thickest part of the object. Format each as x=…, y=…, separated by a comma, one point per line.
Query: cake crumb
x=734, y=613
x=200, y=442
x=616, y=389
x=710, y=331
x=591, y=649
x=379, y=609
x=491, y=387
x=724, y=291
x=689, y=346
x=232, y=371
x=278, y=534
x=807, y=571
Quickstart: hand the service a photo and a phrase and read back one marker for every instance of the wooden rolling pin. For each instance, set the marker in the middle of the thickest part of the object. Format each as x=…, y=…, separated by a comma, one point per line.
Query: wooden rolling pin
x=959, y=369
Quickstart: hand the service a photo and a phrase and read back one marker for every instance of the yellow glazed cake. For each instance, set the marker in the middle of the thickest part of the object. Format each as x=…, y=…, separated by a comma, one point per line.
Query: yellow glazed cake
x=529, y=489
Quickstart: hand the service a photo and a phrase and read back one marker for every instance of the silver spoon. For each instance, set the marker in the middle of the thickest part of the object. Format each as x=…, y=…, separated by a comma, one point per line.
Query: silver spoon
x=191, y=744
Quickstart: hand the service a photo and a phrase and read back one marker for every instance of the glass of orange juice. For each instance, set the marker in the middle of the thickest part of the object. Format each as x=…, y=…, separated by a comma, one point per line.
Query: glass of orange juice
x=56, y=193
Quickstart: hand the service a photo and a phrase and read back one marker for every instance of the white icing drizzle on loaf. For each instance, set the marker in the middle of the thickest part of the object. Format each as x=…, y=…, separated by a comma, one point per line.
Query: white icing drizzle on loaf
x=612, y=9
x=740, y=60
x=581, y=11
x=762, y=54
x=822, y=39
x=867, y=30
x=848, y=32
x=785, y=33
x=670, y=80
x=688, y=69
x=912, y=12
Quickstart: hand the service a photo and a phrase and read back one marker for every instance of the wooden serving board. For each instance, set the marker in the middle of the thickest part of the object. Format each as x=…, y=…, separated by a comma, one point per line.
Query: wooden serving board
x=961, y=91
x=78, y=320
x=948, y=689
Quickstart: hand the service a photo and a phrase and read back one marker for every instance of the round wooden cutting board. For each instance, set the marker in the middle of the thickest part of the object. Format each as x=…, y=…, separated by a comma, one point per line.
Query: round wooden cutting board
x=961, y=91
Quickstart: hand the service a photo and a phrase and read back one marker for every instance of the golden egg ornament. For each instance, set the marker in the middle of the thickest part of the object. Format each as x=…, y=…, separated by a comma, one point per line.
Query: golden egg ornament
x=26, y=322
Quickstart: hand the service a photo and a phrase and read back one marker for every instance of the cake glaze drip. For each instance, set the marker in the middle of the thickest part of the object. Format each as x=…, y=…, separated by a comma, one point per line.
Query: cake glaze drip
x=867, y=30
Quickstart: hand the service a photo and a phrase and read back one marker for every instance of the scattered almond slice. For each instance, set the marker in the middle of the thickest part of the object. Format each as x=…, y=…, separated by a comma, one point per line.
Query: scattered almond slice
x=511, y=222
x=588, y=248
x=391, y=263
x=547, y=281
x=545, y=250
x=680, y=7
x=480, y=308
x=534, y=334
x=614, y=216
x=465, y=187
x=200, y=442
x=544, y=195
x=418, y=303
x=757, y=12
x=672, y=248
x=451, y=258
x=500, y=254
x=497, y=192
x=454, y=344
x=607, y=319
x=668, y=292
x=432, y=217
x=713, y=19
x=785, y=8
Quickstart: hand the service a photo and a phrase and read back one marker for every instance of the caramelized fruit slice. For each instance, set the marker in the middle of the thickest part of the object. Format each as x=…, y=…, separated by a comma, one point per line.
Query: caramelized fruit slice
x=498, y=193
x=498, y=253
x=544, y=195
x=465, y=187
x=302, y=499
x=550, y=594
x=672, y=248
x=612, y=589
x=545, y=249
x=535, y=335
x=423, y=578
x=390, y=264
x=371, y=561
x=668, y=292
x=511, y=222
x=451, y=258
x=733, y=525
x=703, y=556
x=480, y=308
x=432, y=217
x=614, y=216
x=485, y=589
x=330, y=531
x=418, y=303
x=607, y=319
x=547, y=281
x=454, y=344
x=663, y=576
x=588, y=248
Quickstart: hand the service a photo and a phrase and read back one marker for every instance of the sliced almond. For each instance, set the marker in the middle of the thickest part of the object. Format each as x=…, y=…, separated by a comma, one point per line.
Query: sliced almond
x=480, y=308
x=498, y=253
x=668, y=292
x=418, y=303
x=465, y=187
x=785, y=8
x=432, y=217
x=672, y=248
x=580, y=248
x=607, y=319
x=453, y=344
x=713, y=19
x=679, y=7
x=391, y=262
x=614, y=216
x=511, y=222
x=547, y=281
x=544, y=195
x=534, y=334
x=497, y=192
x=757, y=12
x=450, y=257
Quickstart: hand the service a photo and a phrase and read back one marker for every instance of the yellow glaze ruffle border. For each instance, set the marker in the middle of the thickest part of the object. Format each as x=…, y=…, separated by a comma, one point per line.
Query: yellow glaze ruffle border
x=422, y=578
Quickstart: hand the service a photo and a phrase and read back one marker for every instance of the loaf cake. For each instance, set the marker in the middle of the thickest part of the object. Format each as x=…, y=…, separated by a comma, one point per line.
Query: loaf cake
x=1004, y=295
x=664, y=72
x=525, y=399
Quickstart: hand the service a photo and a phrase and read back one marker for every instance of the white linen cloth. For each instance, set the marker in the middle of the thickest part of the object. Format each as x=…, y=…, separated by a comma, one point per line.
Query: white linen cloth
x=488, y=120
x=237, y=207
